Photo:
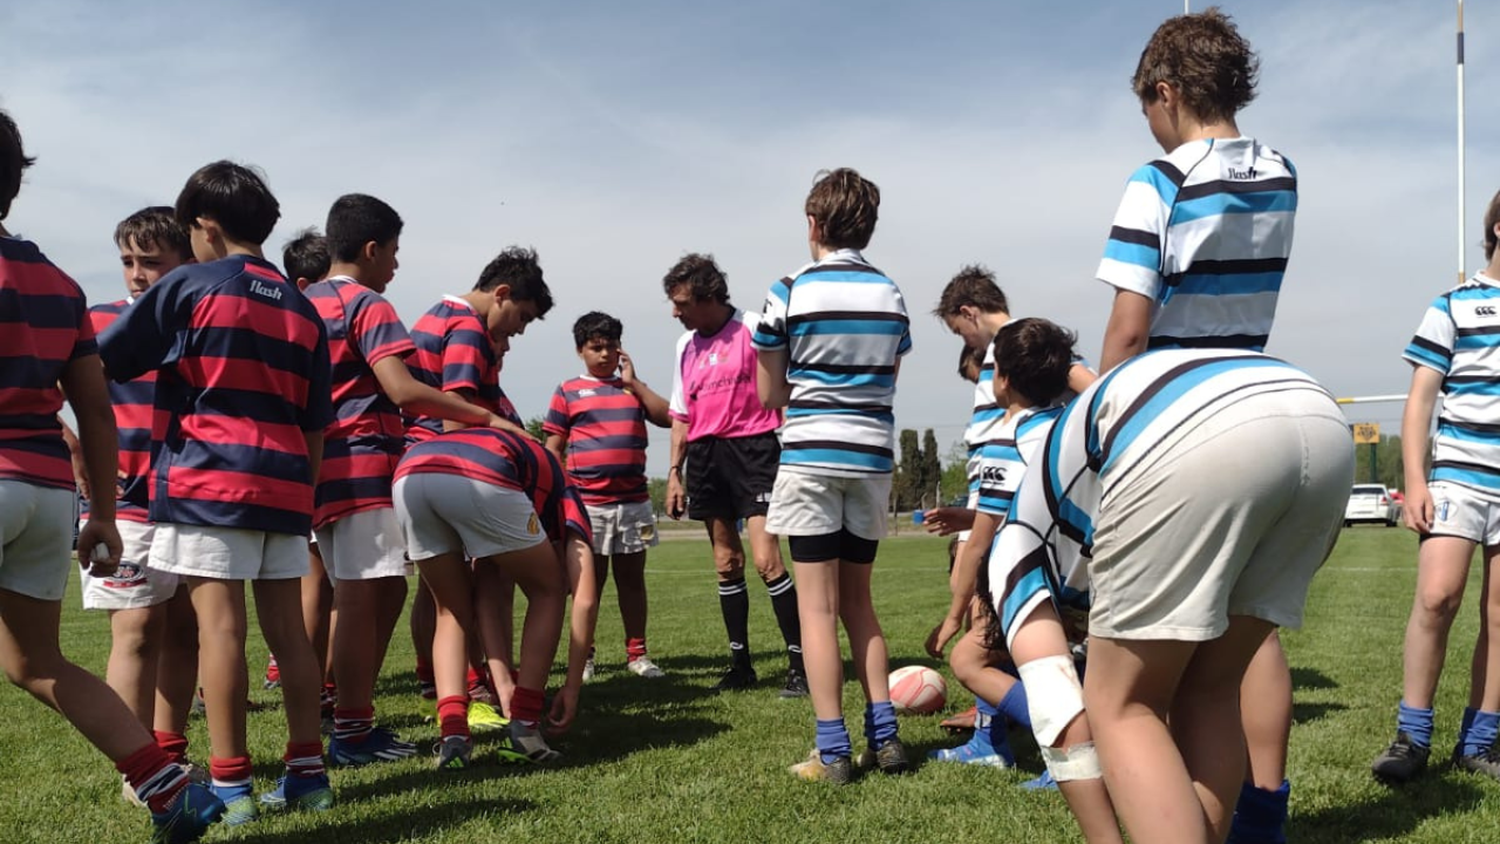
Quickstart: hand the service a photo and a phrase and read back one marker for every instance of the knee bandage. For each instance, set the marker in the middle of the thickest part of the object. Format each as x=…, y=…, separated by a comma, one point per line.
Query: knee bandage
x=1077, y=762
x=1054, y=697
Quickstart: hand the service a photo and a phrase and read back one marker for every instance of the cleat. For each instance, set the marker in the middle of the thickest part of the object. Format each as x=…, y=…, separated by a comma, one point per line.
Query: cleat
x=644, y=667
x=796, y=684
x=485, y=718
x=1486, y=762
x=588, y=669
x=194, y=810
x=299, y=792
x=525, y=744
x=978, y=751
x=453, y=753
x=273, y=674
x=839, y=772
x=380, y=745
x=890, y=758
x=1045, y=782
x=738, y=678
x=1402, y=761
x=961, y=722
x=239, y=803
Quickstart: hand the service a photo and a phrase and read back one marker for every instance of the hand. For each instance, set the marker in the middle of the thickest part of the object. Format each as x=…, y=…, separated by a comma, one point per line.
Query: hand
x=501, y=423
x=676, y=498
x=564, y=710
x=95, y=533
x=627, y=371
x=1418, y=508
x=941, y=635
x=947, y=520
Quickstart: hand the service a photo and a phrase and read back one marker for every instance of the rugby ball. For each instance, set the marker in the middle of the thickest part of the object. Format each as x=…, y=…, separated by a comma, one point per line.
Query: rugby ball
x=918, y=690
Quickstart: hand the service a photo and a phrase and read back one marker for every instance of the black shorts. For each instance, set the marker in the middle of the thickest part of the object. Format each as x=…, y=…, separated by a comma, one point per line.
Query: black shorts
x=731, y=478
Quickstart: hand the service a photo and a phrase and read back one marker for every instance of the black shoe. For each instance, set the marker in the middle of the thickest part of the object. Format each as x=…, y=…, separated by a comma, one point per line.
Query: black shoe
x=796, y=684
x=1402, y=761
x=738, y=678
x=1486, y=762
x=890, y=758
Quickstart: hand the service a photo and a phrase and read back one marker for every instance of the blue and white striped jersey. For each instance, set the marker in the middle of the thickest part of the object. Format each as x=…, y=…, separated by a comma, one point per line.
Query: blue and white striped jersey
x=1122, y=424
x=1460, y=337
x=1205, y=233
x=1003, y=460
x=843, y=325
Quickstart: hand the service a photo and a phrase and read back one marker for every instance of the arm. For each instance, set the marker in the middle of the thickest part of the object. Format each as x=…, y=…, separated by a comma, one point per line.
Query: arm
x=654, y=405
x=1416, y=421
x=461, y=395
x=770, y=378
x=1080, y=377
x=314, y=440
x=1128, y=330
x=676, y=497
x=579, y=560
x=83, y=382
x=962, y=581
x=75, y=453
x=557, y=444
x=415, y=397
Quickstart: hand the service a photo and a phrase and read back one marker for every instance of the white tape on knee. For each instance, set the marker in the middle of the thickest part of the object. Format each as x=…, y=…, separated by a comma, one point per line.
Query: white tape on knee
x=1054, y=697
x=1077, y=762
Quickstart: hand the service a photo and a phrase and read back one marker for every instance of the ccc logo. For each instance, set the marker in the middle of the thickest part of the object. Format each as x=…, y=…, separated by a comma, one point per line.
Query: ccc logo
x=1484, y=310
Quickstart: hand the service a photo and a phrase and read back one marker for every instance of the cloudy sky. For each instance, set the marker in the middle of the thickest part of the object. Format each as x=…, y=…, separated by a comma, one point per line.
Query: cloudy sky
x=615, y=137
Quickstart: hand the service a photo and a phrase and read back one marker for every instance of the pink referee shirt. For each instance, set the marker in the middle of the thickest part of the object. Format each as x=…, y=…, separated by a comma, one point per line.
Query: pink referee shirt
x=713, y=386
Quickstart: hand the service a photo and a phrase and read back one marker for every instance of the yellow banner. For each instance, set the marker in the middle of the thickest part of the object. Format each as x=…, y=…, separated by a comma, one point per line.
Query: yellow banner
x=1366, y=433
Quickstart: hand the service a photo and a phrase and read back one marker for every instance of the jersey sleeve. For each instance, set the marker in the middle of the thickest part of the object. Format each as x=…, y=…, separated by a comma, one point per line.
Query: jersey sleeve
x=677, y=405
x=770, y=332
x=1432, y=345
x=318, y=412
x=1133, y=252
x=375, y=329
x=141, y=339
x=557, y=421
x=463, y=359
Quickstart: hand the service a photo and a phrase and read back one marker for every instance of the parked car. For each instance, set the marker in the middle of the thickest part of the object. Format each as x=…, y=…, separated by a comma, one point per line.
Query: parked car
x=1372, y=503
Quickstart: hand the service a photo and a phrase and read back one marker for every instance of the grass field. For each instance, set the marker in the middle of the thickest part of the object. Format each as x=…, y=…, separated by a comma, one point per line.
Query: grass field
x=667, y=761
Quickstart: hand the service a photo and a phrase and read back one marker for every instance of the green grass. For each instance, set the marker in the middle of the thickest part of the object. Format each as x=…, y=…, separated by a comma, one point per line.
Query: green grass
x=667, y=761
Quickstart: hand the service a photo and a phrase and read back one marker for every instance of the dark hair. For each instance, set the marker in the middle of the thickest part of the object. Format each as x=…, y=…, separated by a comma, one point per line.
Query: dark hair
x=845, y=206
x=1491, y=219
x=306, y=255
x=992, y=635
x=970, y=361
x=1035, y=355
x=702, y=276
x=357, y=219
x=1206, y=59
x=974, y=286
x=13, y=160
x=596, y=324
x=518, y=268
x=155, y=227
x=232, y=195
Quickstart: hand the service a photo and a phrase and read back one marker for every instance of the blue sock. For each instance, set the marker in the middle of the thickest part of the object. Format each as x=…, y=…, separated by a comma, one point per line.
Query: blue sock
x=1013, y=705
x=880, y=723
x=1260, y=815
x=833, y=740
x=1480, y=733
x=1416, y=723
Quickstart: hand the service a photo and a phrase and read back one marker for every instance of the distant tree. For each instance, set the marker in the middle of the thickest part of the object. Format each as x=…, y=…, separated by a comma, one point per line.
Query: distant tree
x=906, y=484
x=1390, y=468
x=954, y=480
x=657, y=489
x=534, y=427
x=932, y=470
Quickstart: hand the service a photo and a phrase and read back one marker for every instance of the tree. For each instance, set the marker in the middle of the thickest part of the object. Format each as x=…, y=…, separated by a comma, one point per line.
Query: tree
x=534, y=427
x=906, y=483
x=657, y=489
x=955, y=477
x=1390, y=468
x=932, y=470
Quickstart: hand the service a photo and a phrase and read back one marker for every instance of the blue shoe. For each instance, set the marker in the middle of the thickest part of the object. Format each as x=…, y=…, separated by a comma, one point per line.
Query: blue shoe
x=195, y=810
x=298, y=792
x=978, y=751
x=381, y=745
x=239, y=803
x=1045, y=782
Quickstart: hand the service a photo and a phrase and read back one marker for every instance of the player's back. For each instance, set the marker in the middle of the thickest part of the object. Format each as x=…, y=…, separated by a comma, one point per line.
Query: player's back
x=453, y=353
x=133, y=403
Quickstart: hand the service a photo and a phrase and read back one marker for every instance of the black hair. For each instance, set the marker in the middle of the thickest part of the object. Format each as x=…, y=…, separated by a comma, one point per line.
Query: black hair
x=306, y=256
x=1035, y=355
x=702, y=277
x=518, y=268
x=596, y=324
x=232, y=195
x=13, y=160
x=357, y=219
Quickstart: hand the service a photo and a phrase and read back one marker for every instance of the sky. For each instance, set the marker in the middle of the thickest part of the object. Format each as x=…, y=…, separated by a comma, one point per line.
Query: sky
x=614, y=138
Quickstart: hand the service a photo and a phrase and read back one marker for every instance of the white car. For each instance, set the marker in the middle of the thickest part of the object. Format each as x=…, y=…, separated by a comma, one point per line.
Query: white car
x=1372, y=503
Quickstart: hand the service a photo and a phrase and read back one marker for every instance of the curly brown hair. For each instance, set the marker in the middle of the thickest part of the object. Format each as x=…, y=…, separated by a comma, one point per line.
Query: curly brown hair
x=845, y=206
x=1206, y=59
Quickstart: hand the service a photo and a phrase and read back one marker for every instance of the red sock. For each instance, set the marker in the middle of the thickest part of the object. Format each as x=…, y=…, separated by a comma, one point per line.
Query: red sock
x=174, y=744
x=453, y=716
x=353, y=724
x=526, y=705
x=232, y=771
x=304, y=760
x=156, y=780
x=424, y=671
x=635, y=649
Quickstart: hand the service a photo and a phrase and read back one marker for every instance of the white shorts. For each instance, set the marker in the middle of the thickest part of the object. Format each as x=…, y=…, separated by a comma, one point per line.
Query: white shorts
x=1465, y=513
x=364, y=546
x=446, y=514
x=807, y=504
x=134, y=585
x=625, y=528
x=223, y=553
x=1234, y=520
x=36, y=539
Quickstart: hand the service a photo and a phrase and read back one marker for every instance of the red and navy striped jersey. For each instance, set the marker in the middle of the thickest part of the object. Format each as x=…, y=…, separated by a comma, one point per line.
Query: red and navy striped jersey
x=605, y=428
x=132, y=403
x=454, y=353
x=361, y=447
x=243, y=376
x=44, y=326
x=506, y=460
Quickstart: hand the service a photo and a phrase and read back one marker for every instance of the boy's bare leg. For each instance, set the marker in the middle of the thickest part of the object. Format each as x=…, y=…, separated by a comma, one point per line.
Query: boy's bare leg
x=867, y=646
x=630, y=587
x=393, y=602
x=1484, y=675
x=818, y=609
x=1442, y=571
x=220, y=607
x=364, y=609
x=177, y=665
x=537, y=572
x=278, y=604
x=450, y=589
x=134, y=651
x=317, y=604
x=1266, y=709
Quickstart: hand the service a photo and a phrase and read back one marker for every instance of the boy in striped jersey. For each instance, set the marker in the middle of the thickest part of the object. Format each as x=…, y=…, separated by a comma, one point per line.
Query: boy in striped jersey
x=1031, y=362
x=48, y=343
x=1456, y=352
x=355, y=521
x=829, y=343
x=596, y=426
x=1201, y=238
x=1186, y=500
x=153, y=658
x=241, y=402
